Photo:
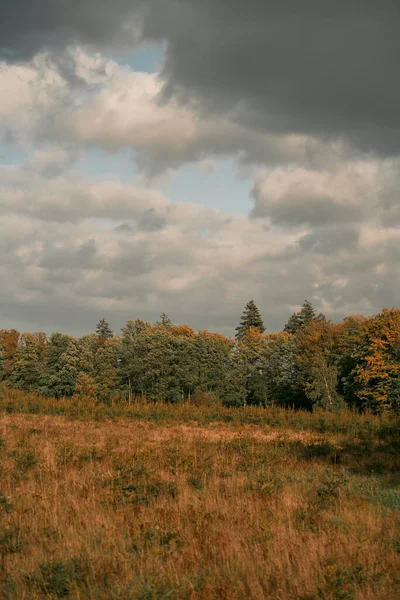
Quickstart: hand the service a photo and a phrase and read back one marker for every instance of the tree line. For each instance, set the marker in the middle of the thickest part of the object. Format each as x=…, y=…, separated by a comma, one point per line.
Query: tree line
x=312, y=363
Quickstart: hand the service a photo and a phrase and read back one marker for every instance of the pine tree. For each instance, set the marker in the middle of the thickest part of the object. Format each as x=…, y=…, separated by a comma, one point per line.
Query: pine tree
x=293, y=324
x=303, y=318
x=103, y=329
x=164, y=320
x=307, y=313
x=251, y=317
x=49, y=381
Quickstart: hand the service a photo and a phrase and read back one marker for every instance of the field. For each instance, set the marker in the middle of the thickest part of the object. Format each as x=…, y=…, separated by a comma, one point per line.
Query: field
x=155, y=501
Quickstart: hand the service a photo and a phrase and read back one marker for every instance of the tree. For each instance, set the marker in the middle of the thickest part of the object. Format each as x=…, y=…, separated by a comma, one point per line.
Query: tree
x=108, y=374
x=247, y=361
x=165, y=321
x=303, y=318
x=8, y=348
x=251, y=317
x=212, y=351
x=86, y=387
x=103, y=329
x=134, y=328
x=63, y=382
x=77, y=359
x=29, y=361
x=281, y=372
x=50, y=381
x=316, y=361
x=351, y=348
x=379, y=370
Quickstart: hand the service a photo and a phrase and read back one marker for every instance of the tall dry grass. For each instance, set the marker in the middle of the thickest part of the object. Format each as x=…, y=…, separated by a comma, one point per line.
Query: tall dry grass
x=160, y=505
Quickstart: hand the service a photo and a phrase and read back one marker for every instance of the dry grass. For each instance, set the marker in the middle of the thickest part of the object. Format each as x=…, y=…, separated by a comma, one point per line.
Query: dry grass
x=143, y=509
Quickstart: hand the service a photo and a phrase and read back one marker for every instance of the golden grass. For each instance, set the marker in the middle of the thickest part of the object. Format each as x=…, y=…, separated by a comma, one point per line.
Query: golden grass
x=130, y=509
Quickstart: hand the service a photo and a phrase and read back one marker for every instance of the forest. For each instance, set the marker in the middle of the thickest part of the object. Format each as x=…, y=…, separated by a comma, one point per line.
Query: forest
x=313, y=363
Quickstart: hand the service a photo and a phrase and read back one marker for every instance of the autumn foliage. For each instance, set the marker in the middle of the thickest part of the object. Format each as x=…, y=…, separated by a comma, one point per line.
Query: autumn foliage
x=313, y=363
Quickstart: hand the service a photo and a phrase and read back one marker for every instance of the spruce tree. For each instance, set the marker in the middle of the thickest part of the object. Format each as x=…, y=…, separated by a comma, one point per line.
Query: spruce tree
x=307, y=313
x=164, y=320
x=293, y=324
x=303, y=318
x=251, y=317
x=103, y=329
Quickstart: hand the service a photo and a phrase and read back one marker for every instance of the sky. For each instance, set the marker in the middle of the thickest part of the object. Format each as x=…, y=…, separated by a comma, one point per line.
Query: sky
x=186, y=156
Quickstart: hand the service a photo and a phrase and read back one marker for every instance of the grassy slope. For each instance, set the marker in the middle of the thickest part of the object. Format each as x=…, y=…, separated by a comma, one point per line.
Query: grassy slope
x=181, y=502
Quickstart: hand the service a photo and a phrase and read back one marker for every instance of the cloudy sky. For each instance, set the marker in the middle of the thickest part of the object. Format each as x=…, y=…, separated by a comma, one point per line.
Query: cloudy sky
x=188, y=155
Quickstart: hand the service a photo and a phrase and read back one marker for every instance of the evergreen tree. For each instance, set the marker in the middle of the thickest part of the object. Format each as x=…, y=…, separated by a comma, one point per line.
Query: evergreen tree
x=64, y=380
x=103, y=329
x=294, y=323
x=307, y=313
x=164, y=320
x=49, y=381
x=303, y=318
x=251, y=317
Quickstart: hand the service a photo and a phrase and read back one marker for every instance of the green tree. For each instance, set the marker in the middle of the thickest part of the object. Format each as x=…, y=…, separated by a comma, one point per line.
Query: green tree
x=247, y=360
x=317, y=362
x=303, y=318
x=281, y=373
x=133, y=328
x=49, y=381
x=212, y=352
x=251, y=318
x=108, y=369
x=103, y=329
x=78, y=359
x=64, y=379
x=29, y=361
x=165, y=321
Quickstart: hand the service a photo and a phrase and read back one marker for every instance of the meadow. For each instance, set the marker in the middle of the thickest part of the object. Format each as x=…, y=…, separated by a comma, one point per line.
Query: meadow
x=151, y=501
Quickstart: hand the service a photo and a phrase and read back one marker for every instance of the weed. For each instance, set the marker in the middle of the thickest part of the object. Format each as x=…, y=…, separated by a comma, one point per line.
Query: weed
x=5, y=505
x=52, y=578
x=265, y=483
x=25, y=460
x=196, y=483
x=192, y=502
x=11, y=541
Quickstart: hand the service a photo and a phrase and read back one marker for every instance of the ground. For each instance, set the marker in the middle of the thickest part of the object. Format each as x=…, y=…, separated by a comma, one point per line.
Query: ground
x=188, y=503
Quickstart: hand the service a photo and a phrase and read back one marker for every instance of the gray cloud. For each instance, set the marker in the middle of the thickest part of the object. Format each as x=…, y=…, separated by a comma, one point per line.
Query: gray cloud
x=329, y=240
x=151, y=221
x=297, y=209
x=305, y=97
x=64, y=273
x=290, y=67
x=278, y=66
x=350, y=192
x=28, y=27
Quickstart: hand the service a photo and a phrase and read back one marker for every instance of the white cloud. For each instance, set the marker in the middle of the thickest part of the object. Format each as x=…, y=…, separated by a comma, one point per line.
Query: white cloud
x=350, y=192
x=324, y=224
x=87, y=99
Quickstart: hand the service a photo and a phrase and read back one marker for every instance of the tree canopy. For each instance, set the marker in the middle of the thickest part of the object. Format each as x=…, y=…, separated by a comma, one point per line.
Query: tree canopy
x=314, y=364
x=251, y=318
x=103, y=329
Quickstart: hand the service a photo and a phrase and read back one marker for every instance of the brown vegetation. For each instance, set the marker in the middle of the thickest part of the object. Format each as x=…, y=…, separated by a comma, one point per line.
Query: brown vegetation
x=168, y=507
